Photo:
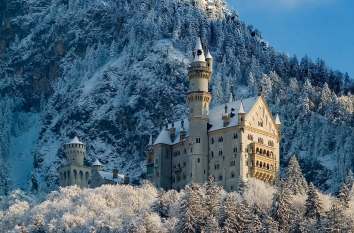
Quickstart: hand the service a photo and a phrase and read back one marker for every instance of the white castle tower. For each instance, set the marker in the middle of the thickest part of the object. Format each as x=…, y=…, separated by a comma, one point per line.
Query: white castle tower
x=230, y=142
x=198, y=100
x=74, y=172
x=75, y=152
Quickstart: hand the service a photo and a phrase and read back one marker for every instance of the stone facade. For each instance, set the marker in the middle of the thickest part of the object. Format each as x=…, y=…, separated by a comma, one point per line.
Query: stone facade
x=75, y=172
x=230, y=142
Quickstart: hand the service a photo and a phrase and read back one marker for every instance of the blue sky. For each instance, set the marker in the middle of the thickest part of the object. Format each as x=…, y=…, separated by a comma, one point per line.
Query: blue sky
x=318, y=28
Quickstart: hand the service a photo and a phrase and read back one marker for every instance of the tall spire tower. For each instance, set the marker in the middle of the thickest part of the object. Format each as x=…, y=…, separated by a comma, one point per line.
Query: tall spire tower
x=198, y=99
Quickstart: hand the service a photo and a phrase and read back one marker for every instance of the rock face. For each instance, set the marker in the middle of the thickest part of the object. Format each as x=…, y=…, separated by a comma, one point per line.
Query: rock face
x=113, y=72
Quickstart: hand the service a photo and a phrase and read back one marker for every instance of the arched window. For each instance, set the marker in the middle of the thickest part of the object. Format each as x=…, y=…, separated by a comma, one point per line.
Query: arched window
x=75, y=175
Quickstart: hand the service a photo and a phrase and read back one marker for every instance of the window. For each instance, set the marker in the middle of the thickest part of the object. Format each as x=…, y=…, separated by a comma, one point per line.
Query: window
x=232, y=163
x=235, y=149
x=212, y=154
x=217, y=166
x=197, y=140
x=220, y=177
x=260, y=123
x=235, y=135
x=231, y=188
x=212, y=140
x=221, y=139
x=250, y=137
x=198, y=160
x=270, y=143
x=220, y=152
x=260, y=140
x=232, y=175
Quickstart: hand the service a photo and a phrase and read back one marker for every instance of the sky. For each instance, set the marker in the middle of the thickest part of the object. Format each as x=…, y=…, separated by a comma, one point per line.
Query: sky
x=317, y=28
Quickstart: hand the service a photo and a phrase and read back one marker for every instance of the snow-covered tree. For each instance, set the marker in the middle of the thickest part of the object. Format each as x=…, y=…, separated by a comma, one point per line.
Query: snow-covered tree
x=344, y=195
x=281, y=207
x=336, y=221
x=295, y=182
x=213, y=194
x=192, y=210
x=313, y=205
x=237, y=215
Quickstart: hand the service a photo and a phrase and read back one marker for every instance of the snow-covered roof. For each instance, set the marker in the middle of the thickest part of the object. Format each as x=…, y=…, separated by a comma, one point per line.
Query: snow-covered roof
x=198, y=51
x=277, y=120
x=75, y=140
x=97, y=163
x=150, y=140
x=164, y=136
x=215, y=120
x=109, y=176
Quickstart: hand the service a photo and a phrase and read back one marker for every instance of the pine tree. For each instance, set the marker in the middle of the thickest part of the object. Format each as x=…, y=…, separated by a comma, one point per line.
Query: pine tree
x=191, y=210
x=349, y=179
x=270, y=226
x=237, y=215
x=281, y=207
x=212, y=198
x=295, y=181
x=313, y=203
x=242, y=186
x=212, y=225
x=335, y=220
x=344, y=195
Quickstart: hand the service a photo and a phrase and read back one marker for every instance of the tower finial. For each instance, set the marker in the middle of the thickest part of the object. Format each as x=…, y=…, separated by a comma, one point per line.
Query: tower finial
x=241, y=109
x=198, y=51
x=231, y=98
x=208, y=56
x=277, y=120
x=150, y=140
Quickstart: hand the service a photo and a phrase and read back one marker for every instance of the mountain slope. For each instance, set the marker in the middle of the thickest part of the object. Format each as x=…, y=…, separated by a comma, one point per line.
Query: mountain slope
x=112, y=72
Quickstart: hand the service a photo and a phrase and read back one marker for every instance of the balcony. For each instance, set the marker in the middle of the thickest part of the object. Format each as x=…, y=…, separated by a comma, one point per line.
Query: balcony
x=263, y=161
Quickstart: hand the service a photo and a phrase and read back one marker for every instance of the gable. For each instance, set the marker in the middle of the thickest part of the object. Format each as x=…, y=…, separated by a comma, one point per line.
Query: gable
x=260, y=117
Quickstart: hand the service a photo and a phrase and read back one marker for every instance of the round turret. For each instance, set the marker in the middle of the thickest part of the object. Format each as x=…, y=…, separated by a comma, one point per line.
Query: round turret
x=209, y=61
x=97, y=165
x=75, y=152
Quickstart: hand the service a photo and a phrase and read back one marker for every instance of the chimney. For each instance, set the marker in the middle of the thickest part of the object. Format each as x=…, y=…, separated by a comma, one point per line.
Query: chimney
x=226, y=117
x=115, y=173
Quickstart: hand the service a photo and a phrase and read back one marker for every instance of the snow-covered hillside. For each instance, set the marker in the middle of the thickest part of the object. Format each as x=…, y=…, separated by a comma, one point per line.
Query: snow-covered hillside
x=113, y=72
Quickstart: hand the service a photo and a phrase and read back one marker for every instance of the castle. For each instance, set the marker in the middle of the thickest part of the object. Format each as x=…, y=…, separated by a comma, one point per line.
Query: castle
x=230, y=142
x=76, y=172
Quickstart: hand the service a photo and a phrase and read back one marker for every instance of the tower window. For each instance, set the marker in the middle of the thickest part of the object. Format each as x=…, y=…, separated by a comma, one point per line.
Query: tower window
x=197, y=140
x=198, y=160
x=235, y=135
x=212, y=140
x=221, y=139
x=220, y=177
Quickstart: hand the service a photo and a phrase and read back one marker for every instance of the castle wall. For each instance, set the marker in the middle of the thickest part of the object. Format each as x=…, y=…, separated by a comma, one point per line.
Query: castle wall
x=163, y=166
x=181, y=165
x=75, y=175
x=224, y=156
